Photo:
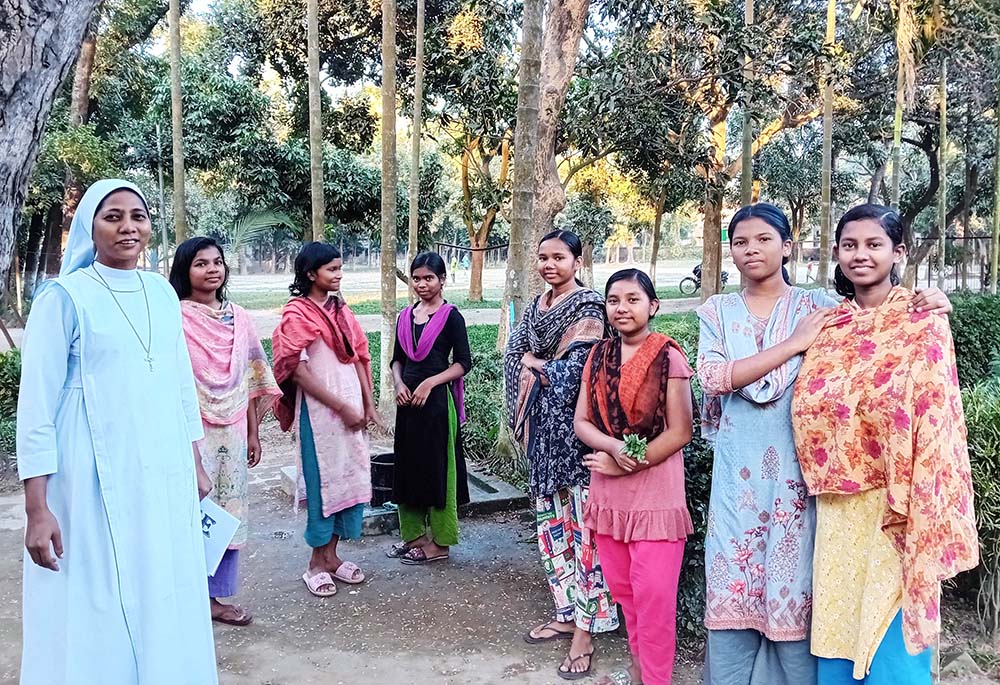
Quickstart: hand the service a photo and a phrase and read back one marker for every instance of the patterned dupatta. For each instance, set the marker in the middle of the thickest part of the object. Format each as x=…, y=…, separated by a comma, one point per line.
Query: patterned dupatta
x=302, y=322
x=571, y=321
x=630, y=399
x=230, y=367
x=419, y=352
x=878, y=405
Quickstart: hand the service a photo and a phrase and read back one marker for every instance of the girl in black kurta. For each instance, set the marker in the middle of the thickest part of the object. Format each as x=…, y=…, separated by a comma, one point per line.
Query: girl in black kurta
x=430, y=358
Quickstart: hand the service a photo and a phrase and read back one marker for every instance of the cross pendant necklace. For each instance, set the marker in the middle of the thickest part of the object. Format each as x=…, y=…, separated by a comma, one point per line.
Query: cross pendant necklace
x=147, y=346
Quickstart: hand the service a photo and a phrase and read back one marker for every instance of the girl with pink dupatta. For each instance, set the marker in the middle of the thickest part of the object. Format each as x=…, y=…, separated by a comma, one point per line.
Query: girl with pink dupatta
x=235, y=390
x=323, y=366
x=429, y=479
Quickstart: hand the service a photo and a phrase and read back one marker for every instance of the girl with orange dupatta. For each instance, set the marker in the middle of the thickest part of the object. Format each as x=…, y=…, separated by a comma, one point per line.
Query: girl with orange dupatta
x=322, y=364
x=235, y=389
x=635, y=412
x=880, y=434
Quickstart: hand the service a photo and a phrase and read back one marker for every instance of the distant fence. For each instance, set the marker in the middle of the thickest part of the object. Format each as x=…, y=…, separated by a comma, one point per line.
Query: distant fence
x=495, y=255
x=967, y=264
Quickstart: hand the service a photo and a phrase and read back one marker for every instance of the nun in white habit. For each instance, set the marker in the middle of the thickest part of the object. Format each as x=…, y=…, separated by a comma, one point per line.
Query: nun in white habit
x=114, y=568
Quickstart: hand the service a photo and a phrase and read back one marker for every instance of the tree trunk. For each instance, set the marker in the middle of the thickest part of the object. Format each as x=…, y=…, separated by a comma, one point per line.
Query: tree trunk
x=826, y=211
x=78, y=116
x=52, y=242
x=517, y=291
x=387, y=396
x=711, y=266
x=875, y=187
x=798, y=214
x=661, y=202
x=943, y=166
x=563, y=30
x=587, y=272
x=711, y=263
x=905, y=32
x=995, y=243
x=418, y=105
x=177, y=122
x=746, y=174
x=41, y=42
x=317, y=221
x=476, y=273
x=32, y=252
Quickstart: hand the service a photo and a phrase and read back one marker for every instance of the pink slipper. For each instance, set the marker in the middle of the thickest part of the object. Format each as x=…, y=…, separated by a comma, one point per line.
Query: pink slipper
x=349, y=573
x=314, y=583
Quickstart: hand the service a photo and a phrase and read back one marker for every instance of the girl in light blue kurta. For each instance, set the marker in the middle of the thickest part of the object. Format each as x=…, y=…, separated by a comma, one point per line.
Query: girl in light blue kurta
x=114, y=572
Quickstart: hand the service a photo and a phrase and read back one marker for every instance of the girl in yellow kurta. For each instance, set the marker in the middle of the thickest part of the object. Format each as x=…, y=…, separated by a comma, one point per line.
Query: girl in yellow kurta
x=880, y=435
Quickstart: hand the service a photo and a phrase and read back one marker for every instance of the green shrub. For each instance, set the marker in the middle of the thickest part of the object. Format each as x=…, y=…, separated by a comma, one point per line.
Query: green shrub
x=982, y=419
x=10, y=381
x=975, y=326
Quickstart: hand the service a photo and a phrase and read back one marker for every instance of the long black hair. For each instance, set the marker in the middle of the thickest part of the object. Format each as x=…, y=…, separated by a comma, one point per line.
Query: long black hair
x=773, y=217
x=637, y=276
x=184, y=256
x=432, y=261
x=888, y=219
x=311, y=257
x=570, y=240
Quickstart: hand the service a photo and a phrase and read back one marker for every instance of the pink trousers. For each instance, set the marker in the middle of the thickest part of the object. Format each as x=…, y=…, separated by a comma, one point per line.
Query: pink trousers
x=642, y=577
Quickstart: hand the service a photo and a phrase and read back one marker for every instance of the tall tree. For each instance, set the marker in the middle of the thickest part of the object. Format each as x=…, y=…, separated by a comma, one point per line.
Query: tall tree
x=517, y=292
x=943, y=164
x=41, y=42
x=78, y=116
x=746, y=177
x=561, y=44
x=826, y=211
x=177, y=120
x=317, y=221
x=387, y=397
x=418, y=107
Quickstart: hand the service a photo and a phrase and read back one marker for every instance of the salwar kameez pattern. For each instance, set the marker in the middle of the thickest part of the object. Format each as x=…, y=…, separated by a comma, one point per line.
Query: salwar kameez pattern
x=442, y=521
x=430, y=479
x=569, y=558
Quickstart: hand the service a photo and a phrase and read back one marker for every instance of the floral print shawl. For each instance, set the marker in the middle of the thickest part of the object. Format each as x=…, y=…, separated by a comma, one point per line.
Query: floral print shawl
x=878, y=405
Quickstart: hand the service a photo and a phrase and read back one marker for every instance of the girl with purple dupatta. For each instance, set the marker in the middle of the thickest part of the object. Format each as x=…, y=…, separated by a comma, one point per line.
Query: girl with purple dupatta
x=429, y=473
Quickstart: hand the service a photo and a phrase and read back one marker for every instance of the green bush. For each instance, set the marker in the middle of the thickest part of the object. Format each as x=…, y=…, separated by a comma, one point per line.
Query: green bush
x=10, y=381
x=975, y=326
x=982, y=419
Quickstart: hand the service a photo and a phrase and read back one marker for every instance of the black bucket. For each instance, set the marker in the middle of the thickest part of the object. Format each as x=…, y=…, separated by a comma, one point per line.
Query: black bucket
x=382, y=465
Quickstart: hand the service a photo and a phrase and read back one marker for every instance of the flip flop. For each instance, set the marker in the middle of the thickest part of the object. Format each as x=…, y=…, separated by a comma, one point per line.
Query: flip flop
x=417, y=556
x=557, y=634
x=244, y=620
x=348, y=572
x=576, y=675
x=398, y=550
x=314, y=583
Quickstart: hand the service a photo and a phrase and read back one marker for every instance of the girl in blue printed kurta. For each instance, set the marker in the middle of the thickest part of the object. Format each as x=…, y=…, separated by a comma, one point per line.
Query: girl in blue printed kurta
x=114, y=569
x=761, y=523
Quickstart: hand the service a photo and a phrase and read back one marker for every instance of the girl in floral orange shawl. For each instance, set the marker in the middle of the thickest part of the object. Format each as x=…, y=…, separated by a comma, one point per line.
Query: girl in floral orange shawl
x=880, y=434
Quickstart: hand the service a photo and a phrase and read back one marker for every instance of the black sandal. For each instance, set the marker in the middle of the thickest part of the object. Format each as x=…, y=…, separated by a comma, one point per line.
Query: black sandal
x=576, y=675
x=559, y=634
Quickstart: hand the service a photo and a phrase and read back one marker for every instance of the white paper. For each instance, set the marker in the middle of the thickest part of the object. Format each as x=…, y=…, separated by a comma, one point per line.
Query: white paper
x=218, y=526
